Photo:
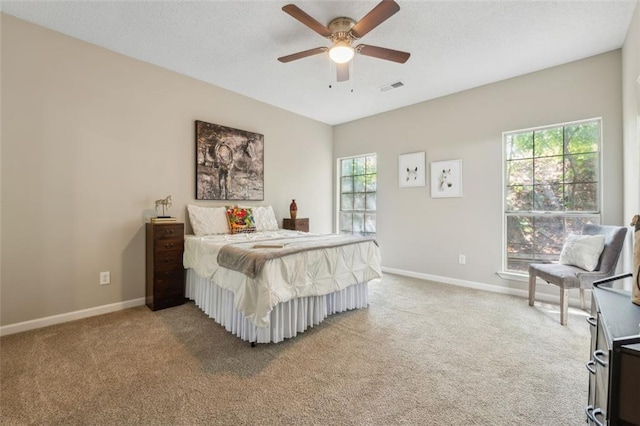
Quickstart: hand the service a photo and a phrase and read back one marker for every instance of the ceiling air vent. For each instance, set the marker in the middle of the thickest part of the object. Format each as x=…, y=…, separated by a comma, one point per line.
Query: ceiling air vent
x=391, y=86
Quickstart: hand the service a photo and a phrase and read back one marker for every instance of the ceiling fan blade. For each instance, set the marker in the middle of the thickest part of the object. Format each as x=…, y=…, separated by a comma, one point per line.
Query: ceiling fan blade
x=343, y=71
x=304, y=54
x=383, y=53
x=310, y=22
x=383, y=11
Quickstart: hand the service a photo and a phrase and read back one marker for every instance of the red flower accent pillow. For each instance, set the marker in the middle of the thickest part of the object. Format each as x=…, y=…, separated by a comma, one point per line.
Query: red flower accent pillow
x=240, y=220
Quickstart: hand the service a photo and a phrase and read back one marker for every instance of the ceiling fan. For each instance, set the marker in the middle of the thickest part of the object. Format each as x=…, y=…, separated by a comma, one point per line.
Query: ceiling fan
x=342, y=32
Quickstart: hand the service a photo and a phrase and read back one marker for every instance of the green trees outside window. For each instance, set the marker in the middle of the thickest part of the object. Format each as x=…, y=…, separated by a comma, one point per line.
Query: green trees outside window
x=358, y=195
x=552, y=189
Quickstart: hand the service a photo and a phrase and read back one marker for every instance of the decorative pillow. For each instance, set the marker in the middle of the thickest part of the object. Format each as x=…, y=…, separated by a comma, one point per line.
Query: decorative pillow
x=240, y=220
x=582, y=251
x=265, y=218
x=208, y=220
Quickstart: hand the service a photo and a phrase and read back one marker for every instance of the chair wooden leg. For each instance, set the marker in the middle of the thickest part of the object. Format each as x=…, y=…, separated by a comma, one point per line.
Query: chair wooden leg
x=532, y=288
x=582, y=299
x=564, y=305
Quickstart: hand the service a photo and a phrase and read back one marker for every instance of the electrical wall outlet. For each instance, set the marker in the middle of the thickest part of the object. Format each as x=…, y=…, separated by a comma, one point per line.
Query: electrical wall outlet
x=105, y=278
x=462, y=259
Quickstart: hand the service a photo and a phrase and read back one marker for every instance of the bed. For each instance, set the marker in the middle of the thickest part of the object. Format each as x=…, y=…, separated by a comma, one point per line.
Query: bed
x=272, y=284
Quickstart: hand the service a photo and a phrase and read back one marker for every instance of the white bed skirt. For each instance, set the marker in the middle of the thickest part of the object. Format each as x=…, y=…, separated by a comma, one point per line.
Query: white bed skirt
x=287, y=319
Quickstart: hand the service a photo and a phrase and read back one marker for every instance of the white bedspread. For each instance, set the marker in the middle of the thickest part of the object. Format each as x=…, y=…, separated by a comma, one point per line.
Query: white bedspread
x=310, y=273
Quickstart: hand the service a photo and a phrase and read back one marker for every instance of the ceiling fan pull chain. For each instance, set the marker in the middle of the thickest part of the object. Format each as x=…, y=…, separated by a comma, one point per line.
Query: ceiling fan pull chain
x=351, y=67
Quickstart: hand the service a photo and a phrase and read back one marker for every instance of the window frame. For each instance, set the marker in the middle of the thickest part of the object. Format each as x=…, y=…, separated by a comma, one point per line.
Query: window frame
x=338, y=187
x=508, y=273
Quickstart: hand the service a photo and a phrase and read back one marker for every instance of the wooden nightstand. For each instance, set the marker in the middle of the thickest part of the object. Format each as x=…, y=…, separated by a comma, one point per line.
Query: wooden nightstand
x=165, y=273
x=296, y=224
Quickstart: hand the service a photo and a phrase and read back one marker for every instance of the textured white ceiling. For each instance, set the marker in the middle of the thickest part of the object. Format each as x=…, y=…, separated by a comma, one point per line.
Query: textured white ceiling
x=454, y=45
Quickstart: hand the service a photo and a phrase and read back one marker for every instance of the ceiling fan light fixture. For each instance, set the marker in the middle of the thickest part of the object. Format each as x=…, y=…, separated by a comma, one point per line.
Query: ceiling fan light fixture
x=341, y=52
x=342, y=32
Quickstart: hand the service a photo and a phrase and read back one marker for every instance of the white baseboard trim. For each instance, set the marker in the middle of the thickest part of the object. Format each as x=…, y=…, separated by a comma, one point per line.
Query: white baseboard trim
x=69, y=316
x=113, y=307
x=542, y=297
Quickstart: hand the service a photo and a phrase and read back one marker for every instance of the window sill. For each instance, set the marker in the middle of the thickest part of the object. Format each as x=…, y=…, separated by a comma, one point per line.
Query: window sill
x=513, y=276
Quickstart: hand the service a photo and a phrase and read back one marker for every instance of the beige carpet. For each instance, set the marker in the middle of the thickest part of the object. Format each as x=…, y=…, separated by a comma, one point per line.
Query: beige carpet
x=422, y=353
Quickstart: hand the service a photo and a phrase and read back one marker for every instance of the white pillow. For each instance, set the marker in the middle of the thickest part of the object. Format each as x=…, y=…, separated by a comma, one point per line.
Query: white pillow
x=582, y=251
x=208, y=220
x=264, y=217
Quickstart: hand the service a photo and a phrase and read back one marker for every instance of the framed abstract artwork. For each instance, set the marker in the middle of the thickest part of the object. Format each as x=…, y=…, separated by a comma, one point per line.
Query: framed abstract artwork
x=446, y=179
x=229, y=163
x=411, y=170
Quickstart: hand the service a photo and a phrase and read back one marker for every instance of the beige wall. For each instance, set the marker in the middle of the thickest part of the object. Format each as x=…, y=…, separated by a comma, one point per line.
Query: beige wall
x=1, y=127
x=418, y=234
x=90, y=139
x=631, y=116
x=631, y=132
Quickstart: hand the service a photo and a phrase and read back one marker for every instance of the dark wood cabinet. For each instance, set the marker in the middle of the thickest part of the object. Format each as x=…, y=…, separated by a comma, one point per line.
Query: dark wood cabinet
x=296, y=224
x=165, y=275
x=614, y=368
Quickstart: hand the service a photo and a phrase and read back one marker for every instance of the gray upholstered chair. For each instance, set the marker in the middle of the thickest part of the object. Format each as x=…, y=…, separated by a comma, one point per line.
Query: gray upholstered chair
x=568, y=277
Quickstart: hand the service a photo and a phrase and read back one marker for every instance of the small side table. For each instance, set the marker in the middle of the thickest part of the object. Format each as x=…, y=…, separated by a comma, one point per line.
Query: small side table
x=301, y=224
x=165, y=274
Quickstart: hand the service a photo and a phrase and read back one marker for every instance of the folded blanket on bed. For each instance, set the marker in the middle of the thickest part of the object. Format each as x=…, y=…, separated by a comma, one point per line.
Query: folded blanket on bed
x=250, y=257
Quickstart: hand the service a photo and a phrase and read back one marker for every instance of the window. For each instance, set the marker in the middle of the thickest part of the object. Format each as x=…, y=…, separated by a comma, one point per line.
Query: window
x=358, y=195
x=552, y=189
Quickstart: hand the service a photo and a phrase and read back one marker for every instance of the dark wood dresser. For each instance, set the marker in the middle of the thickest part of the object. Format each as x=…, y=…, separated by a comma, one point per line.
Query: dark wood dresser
x=301, y=224
x=614, y=368
x=165, y=273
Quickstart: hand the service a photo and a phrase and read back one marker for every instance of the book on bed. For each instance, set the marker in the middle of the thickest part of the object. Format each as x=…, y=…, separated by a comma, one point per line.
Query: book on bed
x=265, y=246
